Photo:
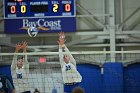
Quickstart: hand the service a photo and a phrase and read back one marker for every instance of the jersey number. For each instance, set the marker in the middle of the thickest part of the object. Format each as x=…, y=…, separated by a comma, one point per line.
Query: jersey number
x=19, y=76
x=68, y=67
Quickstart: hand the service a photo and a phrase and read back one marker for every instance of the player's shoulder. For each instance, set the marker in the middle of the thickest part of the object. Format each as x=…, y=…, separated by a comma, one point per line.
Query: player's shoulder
x=3, y=77
x=71, y=64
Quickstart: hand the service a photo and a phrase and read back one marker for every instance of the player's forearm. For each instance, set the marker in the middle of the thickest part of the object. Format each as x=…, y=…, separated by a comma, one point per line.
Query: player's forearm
x=67, y=50
x=25, y=61
x=71, y=57
x=14, y=62
x=61, y=56
x=25, y=58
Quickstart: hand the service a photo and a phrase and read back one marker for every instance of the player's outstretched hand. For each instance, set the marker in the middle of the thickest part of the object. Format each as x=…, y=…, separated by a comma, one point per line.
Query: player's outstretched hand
x=18, y=47
x=61, y=35
x=62, y=40
x=24, y=46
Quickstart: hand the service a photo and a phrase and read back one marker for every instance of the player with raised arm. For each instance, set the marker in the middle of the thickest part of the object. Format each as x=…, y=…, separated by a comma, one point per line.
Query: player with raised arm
x=68, y=63
x=20, y=70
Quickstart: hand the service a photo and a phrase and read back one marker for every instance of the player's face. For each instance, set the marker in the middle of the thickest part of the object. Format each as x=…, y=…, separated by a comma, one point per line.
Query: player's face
x=66, y=59
x=20, y=63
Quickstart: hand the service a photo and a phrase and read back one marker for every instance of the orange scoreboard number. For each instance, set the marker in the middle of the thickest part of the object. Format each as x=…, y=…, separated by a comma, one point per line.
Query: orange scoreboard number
x=67, y=7
x=13, y=10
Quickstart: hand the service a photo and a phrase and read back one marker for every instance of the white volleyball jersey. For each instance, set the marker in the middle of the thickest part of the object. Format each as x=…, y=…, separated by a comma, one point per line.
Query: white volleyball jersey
x=70, y=74
x=69, y=71
x=20, y=76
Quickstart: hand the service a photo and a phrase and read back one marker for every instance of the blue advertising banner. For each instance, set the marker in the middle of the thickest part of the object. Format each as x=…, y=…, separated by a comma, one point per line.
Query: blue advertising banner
x=39, y=25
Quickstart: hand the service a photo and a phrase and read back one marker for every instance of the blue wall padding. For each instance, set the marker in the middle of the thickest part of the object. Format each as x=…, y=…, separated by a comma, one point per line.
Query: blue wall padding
x=91, y=82
x=132, y=79
x=6, y=70
x=113, y=78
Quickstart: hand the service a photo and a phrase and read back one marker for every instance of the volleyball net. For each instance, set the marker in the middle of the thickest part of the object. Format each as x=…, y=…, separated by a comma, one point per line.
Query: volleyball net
x=45, y=70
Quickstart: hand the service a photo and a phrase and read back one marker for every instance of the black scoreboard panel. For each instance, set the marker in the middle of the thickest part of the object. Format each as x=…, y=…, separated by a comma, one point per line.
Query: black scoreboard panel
x=39, y=8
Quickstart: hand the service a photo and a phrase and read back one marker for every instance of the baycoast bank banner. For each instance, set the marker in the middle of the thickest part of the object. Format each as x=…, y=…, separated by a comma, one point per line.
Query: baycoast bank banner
x=41, y=25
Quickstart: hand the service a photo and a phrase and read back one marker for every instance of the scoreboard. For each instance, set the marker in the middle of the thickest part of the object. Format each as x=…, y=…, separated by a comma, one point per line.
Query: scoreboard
x=50, y=15
x=38, y=8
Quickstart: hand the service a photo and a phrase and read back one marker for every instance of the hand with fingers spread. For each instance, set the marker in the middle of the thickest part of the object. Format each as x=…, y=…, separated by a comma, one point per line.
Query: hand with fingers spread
x=24, y=46
x=18, y=47
x=61, y=35
x=62, y=40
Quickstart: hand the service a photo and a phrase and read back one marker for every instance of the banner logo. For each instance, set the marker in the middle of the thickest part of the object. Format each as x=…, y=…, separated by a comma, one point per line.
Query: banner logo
x=33, y=27
x=33, y=31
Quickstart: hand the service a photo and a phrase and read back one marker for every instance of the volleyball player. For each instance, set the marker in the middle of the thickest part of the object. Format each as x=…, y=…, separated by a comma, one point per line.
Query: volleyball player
x=6, y=85
x=68, y=64
x=20, y=70
x=36, y=91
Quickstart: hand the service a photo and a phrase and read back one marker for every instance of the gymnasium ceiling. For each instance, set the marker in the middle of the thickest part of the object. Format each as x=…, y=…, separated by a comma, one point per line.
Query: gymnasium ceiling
x=92, y=28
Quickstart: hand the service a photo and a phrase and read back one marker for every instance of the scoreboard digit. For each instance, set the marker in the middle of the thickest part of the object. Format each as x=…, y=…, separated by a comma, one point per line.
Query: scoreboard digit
x=67, y=7
x=23, y=9
x=12, y=9
x=55, y=7
x=38, y=8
